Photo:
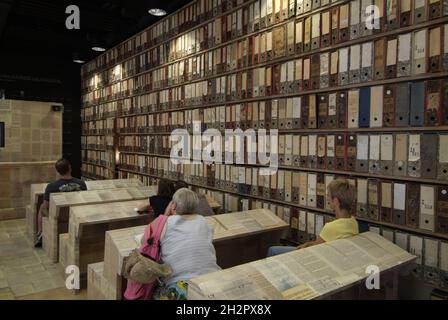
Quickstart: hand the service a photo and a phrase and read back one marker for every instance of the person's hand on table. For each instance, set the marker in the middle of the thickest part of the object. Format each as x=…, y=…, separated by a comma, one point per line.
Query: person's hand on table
x=303, y=246
x=143, y=210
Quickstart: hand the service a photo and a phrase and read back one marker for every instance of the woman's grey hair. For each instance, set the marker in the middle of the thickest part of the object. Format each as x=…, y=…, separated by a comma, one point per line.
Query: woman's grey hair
x=186, y=201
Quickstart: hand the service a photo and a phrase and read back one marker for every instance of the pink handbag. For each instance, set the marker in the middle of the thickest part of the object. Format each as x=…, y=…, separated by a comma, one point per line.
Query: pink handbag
x=150, y=248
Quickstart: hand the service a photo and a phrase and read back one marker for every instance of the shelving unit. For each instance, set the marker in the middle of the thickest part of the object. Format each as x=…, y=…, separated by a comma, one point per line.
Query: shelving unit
x=311, y=70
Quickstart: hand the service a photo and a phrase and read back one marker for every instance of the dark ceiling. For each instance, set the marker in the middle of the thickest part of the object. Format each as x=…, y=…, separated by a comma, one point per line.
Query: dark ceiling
x=36, y=51
x=36, y=46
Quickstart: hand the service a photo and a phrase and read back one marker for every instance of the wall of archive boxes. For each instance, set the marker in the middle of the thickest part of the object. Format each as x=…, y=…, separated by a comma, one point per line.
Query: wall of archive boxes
x=369, y=105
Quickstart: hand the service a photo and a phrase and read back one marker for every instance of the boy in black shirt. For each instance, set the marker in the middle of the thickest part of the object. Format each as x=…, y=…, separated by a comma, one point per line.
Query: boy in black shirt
x=66, y=183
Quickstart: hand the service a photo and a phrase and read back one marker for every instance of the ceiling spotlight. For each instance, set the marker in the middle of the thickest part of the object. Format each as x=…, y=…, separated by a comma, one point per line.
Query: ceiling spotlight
x=76, y=58
x=157, y=12
x=98, y=49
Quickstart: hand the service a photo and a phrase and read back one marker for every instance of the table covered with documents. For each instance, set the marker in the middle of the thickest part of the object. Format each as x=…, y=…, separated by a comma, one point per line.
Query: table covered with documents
x=310, y=273
x=257, y=228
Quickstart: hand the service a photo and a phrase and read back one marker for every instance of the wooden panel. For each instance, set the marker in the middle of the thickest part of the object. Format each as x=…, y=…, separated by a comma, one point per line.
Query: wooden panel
x=38, y=189
x=87, y=229
x=62, y=203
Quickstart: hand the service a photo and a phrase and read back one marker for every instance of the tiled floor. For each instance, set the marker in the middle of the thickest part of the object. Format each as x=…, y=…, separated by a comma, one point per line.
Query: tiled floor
x=24, y=270
x=56, y=294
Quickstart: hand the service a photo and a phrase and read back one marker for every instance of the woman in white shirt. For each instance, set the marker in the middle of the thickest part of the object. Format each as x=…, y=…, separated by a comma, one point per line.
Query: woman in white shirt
x=186, y=245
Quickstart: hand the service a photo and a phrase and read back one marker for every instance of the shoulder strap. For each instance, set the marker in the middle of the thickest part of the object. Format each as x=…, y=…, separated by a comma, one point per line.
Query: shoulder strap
x=146, y=235
x=158, y=228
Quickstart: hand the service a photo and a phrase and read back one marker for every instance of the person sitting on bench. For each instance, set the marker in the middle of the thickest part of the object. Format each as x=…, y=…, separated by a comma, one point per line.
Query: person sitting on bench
x=342, y=197
x=65, y=183
x=186, y=244
x=159, y=202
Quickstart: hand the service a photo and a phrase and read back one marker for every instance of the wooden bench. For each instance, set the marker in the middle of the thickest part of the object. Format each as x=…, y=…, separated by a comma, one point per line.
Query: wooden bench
x=37, y=197
x=60, y=204
x=88, y=224
x=98, y=288
x=249, y=232
x=332, y=270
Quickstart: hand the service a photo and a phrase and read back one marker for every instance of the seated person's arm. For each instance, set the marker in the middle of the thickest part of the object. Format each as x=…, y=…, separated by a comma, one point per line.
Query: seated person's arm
x=43, y=210
x=319, y=240
x=142, y=240
x=152, y=224
x=170, y=209
x=328, y=233
x=144, y=209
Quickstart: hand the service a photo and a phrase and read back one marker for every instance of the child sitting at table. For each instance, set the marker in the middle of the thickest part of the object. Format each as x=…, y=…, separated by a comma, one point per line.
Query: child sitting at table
x=342, y=198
